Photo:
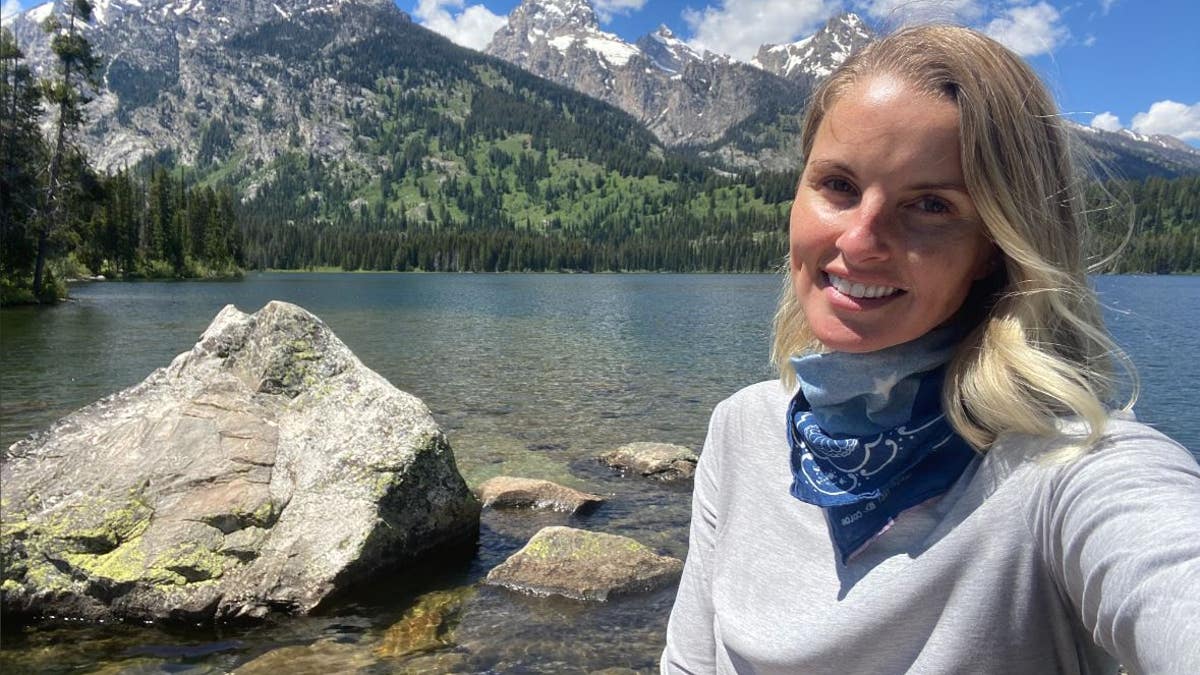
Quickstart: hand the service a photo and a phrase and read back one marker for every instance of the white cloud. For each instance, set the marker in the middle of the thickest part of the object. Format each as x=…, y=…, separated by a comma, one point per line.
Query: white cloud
x=1106, y=121
x=902, y=12
x=471, y=26
x=1029, y=30
x=607, y=9
x=1106, y=5
x=1169, y=117
x=10, y=9
x=1089, y=41
x=739, y=27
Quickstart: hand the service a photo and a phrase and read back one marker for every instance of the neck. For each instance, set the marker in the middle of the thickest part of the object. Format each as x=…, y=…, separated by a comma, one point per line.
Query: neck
x=859, y=394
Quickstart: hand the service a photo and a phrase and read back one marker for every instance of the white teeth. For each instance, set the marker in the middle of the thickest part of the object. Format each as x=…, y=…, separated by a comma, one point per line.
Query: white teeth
x=857, y=290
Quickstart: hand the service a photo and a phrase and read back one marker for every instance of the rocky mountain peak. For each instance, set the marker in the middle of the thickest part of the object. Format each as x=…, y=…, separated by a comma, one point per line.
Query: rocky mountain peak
x=815, y=57
x=667, y=51
x=558, y=38
x=555, y=16
x=683, y=97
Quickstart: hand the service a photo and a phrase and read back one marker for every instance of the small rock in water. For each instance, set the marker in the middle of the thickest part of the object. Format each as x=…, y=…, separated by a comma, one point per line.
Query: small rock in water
x=514, y=492
x=663, y=461
x=584, y=565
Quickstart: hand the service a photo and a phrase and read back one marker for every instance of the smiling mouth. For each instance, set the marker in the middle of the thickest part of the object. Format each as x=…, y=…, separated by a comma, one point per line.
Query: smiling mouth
x=860, y=291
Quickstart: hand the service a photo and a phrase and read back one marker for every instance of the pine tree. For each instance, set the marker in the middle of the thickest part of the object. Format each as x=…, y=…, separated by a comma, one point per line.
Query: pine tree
x=66, y=92
x=21, y=151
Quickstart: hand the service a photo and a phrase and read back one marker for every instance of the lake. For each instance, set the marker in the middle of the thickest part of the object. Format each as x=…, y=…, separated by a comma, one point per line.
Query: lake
x=529, y=375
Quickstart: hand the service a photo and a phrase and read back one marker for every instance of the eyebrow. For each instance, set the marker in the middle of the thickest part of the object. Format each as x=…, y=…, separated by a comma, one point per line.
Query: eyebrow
x=957, y=187
x=831, y=165
x=834, y=165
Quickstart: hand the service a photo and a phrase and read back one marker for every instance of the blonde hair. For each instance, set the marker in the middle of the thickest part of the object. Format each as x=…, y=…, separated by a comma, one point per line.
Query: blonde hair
x=1037, y=349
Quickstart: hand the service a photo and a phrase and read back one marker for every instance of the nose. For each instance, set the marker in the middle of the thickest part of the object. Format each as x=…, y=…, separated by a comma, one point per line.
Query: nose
x=863, y=238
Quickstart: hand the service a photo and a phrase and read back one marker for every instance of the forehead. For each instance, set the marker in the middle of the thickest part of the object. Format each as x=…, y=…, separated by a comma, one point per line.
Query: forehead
x=885, y=123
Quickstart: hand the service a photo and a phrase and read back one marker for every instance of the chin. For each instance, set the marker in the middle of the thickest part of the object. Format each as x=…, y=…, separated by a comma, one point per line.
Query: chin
x=845, y=339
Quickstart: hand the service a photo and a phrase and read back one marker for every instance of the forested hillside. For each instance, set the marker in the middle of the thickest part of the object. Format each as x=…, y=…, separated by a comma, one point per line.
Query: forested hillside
x=1160, y=217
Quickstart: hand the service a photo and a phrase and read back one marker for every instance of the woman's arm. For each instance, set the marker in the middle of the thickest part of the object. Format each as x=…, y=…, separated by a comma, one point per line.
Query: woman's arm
x=1122, y=537
x=691, y=645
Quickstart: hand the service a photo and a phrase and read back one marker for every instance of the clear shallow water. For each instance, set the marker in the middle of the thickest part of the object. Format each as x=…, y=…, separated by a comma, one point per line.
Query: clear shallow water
x=530, y=375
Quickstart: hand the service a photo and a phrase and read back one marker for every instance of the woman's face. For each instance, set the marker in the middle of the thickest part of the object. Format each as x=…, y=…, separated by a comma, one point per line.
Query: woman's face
x=885, y=239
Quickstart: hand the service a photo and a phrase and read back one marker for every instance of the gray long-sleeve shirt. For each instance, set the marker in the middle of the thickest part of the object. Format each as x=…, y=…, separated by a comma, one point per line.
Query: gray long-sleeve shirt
x=1022, y=567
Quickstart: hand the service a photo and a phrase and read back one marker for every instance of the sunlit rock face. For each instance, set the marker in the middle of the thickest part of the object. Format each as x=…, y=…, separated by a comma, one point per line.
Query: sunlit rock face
x=266, y=469
x=169, y=69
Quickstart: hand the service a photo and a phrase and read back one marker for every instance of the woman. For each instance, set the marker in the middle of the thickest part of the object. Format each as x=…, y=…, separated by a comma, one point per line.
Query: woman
x=947, y=490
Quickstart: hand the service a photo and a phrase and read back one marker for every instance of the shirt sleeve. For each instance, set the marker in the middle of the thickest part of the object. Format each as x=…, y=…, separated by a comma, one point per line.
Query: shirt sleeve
x=691, y=642
x=1121, y=536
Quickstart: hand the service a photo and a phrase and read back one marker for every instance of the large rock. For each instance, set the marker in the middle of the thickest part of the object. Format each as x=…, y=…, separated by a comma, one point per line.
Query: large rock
x=265, y=469
x=584, y=565
x=663, y=461
x=514, y=492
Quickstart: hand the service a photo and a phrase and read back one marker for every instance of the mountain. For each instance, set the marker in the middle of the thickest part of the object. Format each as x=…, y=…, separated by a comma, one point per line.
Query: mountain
x=735, y=114
x=355, y=137
x=169, y=71
x=683, y=97
x=667, y=52
x=202, y=81
x=237, y=84
x=815, y=57
x=1127, y=154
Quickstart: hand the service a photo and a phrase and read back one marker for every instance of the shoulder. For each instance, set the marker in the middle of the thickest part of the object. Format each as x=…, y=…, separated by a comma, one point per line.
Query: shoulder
x=1052, y=478
x=1132, y=456
x=1133, y=478
x=750, y=425
x=1126, y=446
x=763, y=398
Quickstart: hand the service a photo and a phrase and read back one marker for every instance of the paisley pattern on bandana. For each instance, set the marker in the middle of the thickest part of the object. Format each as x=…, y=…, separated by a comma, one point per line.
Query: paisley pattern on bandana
x=864, y=482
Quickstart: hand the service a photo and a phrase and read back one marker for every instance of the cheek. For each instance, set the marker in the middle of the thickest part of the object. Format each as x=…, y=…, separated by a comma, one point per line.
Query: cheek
x=951, y=287
x=795, y=238
x=987, y=261
x=803, y=227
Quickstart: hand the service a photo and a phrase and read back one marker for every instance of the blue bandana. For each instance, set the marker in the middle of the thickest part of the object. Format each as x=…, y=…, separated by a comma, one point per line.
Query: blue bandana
x=868, y=436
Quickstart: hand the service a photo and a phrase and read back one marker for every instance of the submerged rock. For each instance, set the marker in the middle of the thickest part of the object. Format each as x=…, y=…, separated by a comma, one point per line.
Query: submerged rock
x=512, y=492
x=663, y=461
x=426, y=626
x=584, y=565
x=319, y=658
x=265, y=469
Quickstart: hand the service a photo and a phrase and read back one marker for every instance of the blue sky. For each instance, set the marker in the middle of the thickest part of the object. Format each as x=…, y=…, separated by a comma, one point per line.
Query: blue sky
x=1112, y=63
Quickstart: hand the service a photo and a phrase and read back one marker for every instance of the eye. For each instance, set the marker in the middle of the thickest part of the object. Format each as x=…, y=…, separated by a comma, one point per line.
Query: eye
x=839, y=185
x=933, y=205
